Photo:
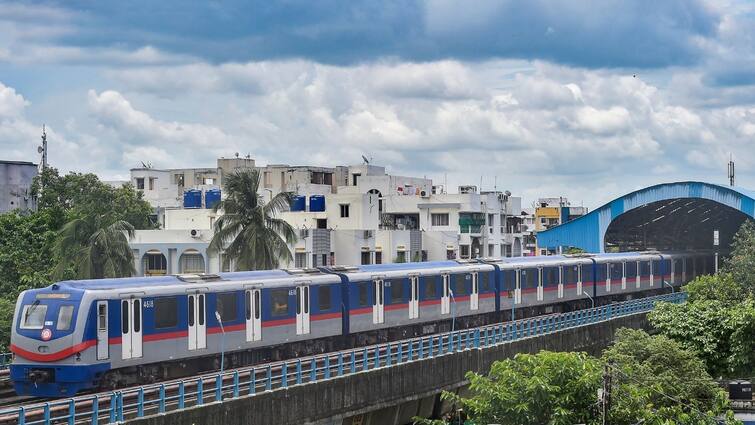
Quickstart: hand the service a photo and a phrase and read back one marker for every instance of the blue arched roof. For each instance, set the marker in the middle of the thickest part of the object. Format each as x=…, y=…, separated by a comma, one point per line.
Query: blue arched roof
x=588, y=232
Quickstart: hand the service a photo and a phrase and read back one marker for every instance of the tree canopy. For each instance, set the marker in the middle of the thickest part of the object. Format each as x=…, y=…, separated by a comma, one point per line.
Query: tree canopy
x=250, y=231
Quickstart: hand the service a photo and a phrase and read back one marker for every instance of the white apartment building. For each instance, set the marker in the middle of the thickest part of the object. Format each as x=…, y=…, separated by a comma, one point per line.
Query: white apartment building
x=372, y=218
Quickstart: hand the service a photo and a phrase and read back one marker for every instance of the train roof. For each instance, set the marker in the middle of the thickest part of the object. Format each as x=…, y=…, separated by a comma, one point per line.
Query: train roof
x=392, y=270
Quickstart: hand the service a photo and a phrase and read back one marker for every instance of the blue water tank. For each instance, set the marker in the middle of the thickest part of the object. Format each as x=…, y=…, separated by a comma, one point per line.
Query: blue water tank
x=193, y=198
x=299, y=203
x=317, y=203
x=211, y=197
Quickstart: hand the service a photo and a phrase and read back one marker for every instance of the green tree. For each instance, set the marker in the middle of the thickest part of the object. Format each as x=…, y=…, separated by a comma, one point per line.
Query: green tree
x=95, y=247
x=741, y=263
x=249, y=230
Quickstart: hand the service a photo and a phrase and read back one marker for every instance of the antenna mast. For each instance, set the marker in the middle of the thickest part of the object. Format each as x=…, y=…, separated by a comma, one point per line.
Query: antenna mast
x=43, y=149
x=731, y=170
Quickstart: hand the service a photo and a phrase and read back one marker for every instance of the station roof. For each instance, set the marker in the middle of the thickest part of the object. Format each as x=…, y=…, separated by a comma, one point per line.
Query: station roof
x=667, y=216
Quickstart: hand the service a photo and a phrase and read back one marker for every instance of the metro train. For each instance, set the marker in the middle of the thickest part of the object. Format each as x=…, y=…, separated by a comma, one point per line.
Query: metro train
x=98, y=334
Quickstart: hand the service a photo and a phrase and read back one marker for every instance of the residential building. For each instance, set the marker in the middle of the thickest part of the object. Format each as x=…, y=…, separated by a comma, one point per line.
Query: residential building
x=551, y=212
x=15, y=185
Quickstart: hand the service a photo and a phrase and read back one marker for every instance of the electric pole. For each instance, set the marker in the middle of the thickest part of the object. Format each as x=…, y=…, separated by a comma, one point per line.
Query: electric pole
x=43, y=149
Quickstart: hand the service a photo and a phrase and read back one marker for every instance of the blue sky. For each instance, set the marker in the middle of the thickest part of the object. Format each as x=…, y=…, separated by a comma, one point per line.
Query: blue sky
x=588, y=99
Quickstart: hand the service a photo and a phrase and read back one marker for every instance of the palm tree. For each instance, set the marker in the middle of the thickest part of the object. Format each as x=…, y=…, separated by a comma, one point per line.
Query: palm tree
x=249, y=230
x=95, y=247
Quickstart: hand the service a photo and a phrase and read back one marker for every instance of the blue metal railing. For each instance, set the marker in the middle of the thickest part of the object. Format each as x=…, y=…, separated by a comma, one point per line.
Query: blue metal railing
x=179, y=394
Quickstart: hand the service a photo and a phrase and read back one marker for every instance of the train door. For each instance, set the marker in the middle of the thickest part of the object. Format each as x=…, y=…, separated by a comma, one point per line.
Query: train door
x=414, y=297
x=561, y=281
x=539, y=283
x=609, y=275
x=378, y=302
x=103, y=350
x=445, y=301
x=518, y=288
x=638, y=278
x=302, y=310
x=623, y=276
x=131, y=328
x=652, y=267
x=579, y=279
x=197, y=322
x=474, y=296
x=253, y=315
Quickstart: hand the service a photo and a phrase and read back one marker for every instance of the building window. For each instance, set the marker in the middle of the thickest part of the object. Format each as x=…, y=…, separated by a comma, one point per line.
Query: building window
x=323, y=298
x=279, y=298
x=178, y=179
x=491, y=219
x=450, y=254
x=378, y=257
x=344, y=210
x=365, y=257
x=192, y=263
x=208, y=181
x=439, y=219
x=300, y=260
x=225, y=304
x=355, y=177
x=140, y=183
x=166, y=312
x=464, y=251
x=401, y=257
x=491, y=250
x=152, y=183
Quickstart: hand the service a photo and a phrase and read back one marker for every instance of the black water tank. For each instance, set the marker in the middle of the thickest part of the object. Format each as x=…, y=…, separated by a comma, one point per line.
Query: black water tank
x=740, y=390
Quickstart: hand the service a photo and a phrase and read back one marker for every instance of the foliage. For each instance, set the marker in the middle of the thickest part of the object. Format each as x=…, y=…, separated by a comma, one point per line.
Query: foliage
x=721, y=287
x=573, y=250
x=654, y=380
x=249, y=231
x=80, y=195
x=741, y=262
x=94, y=247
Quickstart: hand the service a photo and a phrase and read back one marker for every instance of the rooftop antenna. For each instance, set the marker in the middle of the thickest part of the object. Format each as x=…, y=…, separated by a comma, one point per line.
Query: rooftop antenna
x=366, y=161
x=43, y=149
x=731, y=170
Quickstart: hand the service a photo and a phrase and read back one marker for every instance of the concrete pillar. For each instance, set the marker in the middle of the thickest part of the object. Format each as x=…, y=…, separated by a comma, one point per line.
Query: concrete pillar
x=173, y=261
x=138, y=262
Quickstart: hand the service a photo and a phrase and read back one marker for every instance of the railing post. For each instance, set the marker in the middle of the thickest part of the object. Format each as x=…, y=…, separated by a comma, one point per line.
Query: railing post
x=161, y=408
x=200, y=391
x=219, y=387
x=95, y=410
x=119, y=417
x=377, y=357
x=476, y=338
x=181, y=391
x=400, y=354
x=253, y=381
x=388, y=354
x=269, y=380
x=353, y=361
x=139, y=403
x=21, y=415
x=112, y=410
x=364, y=359
x=313, y=370
x=284, y=375
x=298, y=371
x=340, y=364
x=327, y=367
x=71, y=412
x=235, y=384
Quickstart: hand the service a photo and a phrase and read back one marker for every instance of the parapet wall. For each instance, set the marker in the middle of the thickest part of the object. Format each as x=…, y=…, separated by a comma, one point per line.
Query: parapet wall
x=328, y=401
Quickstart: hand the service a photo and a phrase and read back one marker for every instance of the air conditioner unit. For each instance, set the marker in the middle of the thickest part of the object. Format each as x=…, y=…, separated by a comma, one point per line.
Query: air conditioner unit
x=424, y=194
x=195, y=233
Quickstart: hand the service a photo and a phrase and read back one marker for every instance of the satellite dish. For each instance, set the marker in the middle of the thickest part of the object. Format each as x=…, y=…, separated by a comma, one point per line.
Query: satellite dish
x=366, y=161
x=507, y=193
x=40, y=149
x=237, y=154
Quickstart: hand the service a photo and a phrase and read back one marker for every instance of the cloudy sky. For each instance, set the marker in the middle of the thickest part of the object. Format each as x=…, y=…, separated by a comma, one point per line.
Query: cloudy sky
x=585, y=99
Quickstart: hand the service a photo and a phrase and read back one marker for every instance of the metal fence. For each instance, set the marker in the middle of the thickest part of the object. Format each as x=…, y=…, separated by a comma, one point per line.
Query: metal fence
x=116, y=406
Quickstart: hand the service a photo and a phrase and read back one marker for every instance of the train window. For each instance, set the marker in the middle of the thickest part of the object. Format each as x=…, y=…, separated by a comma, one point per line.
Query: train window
x=257, y=309
x=484, y=279
x=550, y=276
x=631, y=269
x=65, y=316
x=529, y=278
x=323, y=298
x=571, y=275
x=101, y=316
x=645, y=268
x=225, y=304
x=587, y=275
x=616, y=271
x=364, y=299
x=460, y=284
x=137, y=317
x=200, y=297
x=166, y=312
x=33, y=316
x=279, y=302
x=124, y=316
x=431, y=288
x=397, y=292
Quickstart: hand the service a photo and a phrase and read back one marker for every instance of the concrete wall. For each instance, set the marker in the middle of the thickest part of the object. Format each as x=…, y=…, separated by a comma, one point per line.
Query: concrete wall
x=373, y=392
